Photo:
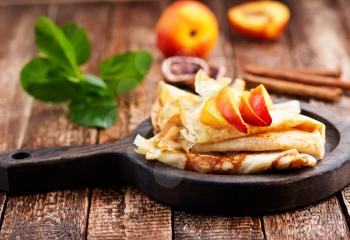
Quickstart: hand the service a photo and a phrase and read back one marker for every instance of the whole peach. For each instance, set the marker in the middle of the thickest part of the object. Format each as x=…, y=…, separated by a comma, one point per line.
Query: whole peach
x=187, y=28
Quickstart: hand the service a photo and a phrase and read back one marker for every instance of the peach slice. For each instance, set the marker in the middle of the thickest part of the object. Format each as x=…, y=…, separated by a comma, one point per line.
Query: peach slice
x=226, y=102
x=261, y=103
x=247, y=112
x=259, y=19
x=211, y=116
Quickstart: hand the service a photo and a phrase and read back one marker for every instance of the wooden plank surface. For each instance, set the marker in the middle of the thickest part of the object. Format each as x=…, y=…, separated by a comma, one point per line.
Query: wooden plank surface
x=125, y=212
x=122, y=211
x=61, y=214
x=38, y=2
x=320, y=221
x=189, y=225
x=14, y=105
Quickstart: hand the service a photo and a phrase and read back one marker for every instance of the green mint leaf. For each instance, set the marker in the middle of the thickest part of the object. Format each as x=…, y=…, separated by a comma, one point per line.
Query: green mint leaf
x=94, y=111
x=79, y=40
x=56, y=76
x=124, y=72
x=95, y=81
x=43, y=82
x=51, y=41
x=93, y=85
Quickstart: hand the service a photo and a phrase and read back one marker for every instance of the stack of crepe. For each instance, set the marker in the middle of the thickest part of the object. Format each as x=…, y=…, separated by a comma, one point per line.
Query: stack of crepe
x=183, y=141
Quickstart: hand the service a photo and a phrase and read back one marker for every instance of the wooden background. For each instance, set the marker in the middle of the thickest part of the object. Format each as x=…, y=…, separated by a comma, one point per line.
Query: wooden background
x=318, y=35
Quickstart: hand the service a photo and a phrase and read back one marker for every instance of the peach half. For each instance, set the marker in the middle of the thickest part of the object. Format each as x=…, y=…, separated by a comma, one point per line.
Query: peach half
x=259, y=19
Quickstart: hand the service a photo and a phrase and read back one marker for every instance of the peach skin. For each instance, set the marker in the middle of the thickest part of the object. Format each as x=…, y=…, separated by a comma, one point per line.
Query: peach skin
x=247, y=112
x=261, y=103
x=227, y=103
x=187, y=28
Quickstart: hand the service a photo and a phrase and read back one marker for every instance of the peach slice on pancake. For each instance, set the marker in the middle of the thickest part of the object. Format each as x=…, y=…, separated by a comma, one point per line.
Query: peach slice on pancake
x=247, y=112
x=261, y=103
x=211, y=116
x=226, y=102
x=255, y=105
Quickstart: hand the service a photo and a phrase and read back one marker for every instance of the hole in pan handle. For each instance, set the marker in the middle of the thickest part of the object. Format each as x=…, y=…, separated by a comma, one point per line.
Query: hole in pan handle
x=46, y=169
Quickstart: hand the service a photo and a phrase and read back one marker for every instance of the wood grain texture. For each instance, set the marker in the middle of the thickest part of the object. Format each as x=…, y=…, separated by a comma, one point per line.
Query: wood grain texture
x=188, y=225
x=321, y=221
x=63, y=214
x=318, y=43
x=38, y=2
x=322, y=42
x=191, y=225
x=55, y=215
x=345, y=197
x=14, y=105
x=125, y=212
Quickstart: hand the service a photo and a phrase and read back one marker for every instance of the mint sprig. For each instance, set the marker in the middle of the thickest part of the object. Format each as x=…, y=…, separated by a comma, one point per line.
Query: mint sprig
x=55, y=76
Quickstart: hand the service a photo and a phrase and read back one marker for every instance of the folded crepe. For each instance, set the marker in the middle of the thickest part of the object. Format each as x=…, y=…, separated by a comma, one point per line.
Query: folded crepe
x=182, y=140
x=230, y=163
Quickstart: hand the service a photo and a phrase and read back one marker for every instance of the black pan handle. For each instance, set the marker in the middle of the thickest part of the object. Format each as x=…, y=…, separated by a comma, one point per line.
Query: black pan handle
x=43, y=169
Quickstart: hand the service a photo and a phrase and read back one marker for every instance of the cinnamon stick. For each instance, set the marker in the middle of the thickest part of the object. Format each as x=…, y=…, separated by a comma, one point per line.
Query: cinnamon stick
x=333, y=73
x=297, y=89
x=295, y=76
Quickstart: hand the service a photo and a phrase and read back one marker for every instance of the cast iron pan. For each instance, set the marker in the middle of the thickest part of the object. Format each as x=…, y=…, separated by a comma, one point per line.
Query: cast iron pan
x=34, y=170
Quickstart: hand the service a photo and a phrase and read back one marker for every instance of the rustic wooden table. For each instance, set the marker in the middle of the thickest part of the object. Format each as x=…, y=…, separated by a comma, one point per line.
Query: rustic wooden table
x=317, y=36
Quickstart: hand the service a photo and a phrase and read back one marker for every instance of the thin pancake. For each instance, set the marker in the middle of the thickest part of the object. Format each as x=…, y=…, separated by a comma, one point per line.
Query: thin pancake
x=234, y=163
x=303, y=141
x=165, y=106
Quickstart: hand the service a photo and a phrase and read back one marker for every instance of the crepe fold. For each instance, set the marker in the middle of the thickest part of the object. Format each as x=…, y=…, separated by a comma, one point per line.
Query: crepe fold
x=183, y=141
x=230, y=163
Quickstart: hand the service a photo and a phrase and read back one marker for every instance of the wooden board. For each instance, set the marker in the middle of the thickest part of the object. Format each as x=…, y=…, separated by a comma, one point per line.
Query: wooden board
x=76, y=166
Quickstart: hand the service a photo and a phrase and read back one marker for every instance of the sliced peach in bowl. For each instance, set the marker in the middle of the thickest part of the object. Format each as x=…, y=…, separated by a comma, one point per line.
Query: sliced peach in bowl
x=227, y=104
